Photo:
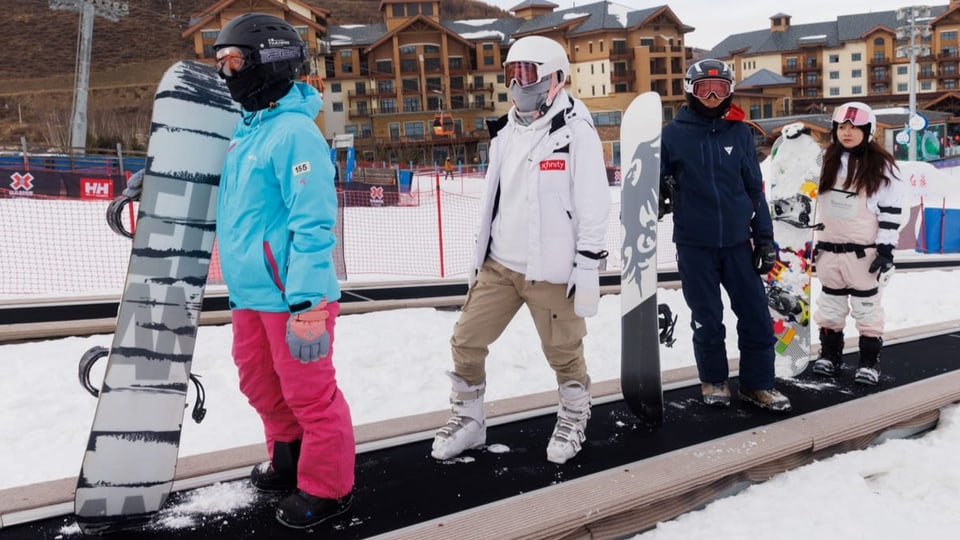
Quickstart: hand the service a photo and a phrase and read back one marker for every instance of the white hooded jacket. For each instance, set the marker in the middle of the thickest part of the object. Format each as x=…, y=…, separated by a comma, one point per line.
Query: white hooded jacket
x=566, y=197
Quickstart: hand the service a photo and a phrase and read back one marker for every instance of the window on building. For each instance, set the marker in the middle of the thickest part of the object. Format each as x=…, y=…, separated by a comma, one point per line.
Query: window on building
x=502, y=97
x=856, y=90
x=408, y=65
x=834, y=58
x=902, y=87
x=335, y=88
x=609, y=118
x=487, y=60
x=338, y=106
x=501, y=79
x=410, y=85
x=455, y=63
x=856, y=73
x=385, y=87
x=792, y=62
x=834, y=91
x=949, y=51
x=388, y=106
x=360, y=88
x=398, y=10
x=394, y=129
x=431, y=49
x=768, y=110
x=926, y=86
x=384, y=67
x=408, y=49
x=591, y=69
x=411, y=104
x=948, y=35
x=478, y=81
x=856, y=57
x=590, y=47
x=413, y=130
x=480, y=101
x=619, y=47
x=601, y=45
x=350, y=129
x=432, y=65
x=834, y=75
x=362, y=108
x=426, y=8
x=903, y=70
x=754, y=112
x=879, y=41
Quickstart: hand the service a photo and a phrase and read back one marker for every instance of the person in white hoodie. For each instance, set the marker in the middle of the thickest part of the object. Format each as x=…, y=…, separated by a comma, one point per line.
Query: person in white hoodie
x=541, y=240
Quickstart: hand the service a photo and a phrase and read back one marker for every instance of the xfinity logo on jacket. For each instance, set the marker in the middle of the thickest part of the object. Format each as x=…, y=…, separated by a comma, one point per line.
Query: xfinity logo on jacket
x=553, y=165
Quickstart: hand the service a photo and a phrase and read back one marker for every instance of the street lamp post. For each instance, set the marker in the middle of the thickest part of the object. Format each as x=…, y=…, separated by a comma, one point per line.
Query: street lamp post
x=916, y=18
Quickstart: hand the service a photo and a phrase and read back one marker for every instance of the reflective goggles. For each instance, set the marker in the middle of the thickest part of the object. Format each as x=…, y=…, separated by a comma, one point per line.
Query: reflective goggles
x=524, y=73
x=721, y=88
x=230, y=61
x=850, y=113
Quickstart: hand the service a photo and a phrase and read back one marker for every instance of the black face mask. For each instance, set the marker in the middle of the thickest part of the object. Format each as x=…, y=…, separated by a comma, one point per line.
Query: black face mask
x=253, y=91
x=707, y=112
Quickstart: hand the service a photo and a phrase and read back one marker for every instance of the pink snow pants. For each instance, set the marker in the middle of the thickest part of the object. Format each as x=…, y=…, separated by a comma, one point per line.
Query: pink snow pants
x=296, y=400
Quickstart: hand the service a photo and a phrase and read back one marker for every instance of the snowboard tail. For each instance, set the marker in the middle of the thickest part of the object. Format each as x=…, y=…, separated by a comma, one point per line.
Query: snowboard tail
x=130, y=459
x=640, y=379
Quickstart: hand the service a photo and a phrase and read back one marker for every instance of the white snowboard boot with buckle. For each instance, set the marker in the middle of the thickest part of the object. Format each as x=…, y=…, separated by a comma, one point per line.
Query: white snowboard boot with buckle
x=467, y=427
x=568, y=435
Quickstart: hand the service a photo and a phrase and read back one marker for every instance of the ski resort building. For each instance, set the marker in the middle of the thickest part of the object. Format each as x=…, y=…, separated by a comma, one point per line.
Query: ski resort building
x=864, y=57
x=418, y=88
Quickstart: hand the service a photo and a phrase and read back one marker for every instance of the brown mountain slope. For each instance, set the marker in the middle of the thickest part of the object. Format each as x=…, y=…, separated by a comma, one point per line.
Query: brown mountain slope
x=128, y=58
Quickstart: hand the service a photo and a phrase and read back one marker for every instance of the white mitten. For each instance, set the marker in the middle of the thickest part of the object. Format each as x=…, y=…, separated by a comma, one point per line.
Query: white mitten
x=584, y=284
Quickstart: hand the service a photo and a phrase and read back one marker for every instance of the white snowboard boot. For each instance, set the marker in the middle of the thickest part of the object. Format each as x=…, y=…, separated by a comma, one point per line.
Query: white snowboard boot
x=568, y=435
x=467, y=428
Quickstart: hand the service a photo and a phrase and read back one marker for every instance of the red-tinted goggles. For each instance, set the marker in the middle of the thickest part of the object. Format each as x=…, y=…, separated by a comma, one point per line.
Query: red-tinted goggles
x=720, y=88
x=525, y=73
x=850, y=113
x=230, y=61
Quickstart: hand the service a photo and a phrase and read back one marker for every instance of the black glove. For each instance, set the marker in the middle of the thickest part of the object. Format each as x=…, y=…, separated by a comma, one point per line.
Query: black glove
x=883, y=263
x=665, y=200
x=764, y=257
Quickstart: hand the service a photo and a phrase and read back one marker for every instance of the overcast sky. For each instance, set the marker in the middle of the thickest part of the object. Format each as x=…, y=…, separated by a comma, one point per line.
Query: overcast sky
x=715, y=20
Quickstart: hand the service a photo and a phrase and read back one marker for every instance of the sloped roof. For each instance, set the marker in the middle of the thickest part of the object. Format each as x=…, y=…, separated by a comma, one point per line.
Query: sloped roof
x=595, y=17
x=764, y=77
x=828, y=34
x=202, y=19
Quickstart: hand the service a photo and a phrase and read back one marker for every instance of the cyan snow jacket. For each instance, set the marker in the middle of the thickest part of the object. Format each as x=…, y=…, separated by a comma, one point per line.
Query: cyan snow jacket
x=277, y=209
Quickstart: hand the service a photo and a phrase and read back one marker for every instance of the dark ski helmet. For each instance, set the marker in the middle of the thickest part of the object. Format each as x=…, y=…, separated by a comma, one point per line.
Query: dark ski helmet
x=259, y=56
x=712, y=76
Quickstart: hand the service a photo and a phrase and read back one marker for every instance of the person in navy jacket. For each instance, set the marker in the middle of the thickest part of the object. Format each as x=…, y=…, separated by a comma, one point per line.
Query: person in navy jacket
x=723, y=233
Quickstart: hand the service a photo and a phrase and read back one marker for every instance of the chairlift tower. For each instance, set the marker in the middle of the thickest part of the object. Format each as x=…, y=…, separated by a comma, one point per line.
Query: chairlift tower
x=916, y=19
x=89, y=9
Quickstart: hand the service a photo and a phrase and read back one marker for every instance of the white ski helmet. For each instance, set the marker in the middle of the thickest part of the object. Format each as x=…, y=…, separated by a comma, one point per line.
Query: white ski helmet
x=547, y=54
x=859, y=114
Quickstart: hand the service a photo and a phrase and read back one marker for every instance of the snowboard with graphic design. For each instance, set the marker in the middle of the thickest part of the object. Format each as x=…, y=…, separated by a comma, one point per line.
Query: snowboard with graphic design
x=792, y=182
x=131, y=455
x=640, y=379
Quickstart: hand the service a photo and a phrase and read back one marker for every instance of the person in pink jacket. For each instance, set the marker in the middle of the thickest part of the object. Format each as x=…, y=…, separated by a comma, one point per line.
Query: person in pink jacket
x=860, y=212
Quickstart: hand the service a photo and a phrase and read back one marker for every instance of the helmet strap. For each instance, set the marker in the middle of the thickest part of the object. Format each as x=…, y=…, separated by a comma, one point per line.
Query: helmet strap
x=551, y=94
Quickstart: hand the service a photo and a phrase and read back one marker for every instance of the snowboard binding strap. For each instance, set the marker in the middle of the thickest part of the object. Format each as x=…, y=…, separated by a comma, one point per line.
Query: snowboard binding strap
x=90, y=358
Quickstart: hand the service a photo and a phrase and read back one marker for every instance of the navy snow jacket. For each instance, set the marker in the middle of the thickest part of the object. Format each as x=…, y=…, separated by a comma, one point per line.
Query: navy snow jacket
x=718, y=192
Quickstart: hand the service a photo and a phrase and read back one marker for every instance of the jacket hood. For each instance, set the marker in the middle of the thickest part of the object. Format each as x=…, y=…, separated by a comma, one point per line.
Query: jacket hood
x=302, y=98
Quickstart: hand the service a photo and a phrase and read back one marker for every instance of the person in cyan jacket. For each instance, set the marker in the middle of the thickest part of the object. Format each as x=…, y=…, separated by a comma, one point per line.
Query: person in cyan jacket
x=542, y=231
x=275, y=220
x=723, y=233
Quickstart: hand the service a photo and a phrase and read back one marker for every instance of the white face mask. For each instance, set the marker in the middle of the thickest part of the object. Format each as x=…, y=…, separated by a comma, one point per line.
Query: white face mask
x=530, y=98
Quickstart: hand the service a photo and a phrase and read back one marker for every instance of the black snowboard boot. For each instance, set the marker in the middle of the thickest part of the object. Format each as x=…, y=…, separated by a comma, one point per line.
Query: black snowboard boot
x=831, y=353
x=302, y=510
x=868, y=372
x=280, y=474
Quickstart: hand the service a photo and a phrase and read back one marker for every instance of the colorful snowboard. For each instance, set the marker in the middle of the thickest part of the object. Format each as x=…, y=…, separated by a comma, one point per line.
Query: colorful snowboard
x=131, y=456
x=639, y=192
x=794, y=175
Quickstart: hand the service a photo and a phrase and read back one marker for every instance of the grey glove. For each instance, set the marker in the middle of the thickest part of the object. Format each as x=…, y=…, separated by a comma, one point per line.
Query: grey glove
x=584, y=284
x=134, y=186
x=307, y=335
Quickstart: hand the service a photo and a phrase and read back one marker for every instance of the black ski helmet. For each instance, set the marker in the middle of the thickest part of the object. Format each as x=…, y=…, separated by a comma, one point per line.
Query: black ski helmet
x=708, y=68
x=273, y=46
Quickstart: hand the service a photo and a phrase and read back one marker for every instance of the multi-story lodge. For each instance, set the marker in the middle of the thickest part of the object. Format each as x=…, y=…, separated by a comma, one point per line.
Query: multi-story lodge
x=417, y=88
x=863, y=57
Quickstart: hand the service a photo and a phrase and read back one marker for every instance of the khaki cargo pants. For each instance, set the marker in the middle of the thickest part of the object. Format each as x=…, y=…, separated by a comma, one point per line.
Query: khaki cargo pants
x=491, y=304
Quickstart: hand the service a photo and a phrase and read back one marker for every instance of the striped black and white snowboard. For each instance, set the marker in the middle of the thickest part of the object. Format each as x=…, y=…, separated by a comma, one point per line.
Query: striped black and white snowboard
x=131, y=456
x=639, y=191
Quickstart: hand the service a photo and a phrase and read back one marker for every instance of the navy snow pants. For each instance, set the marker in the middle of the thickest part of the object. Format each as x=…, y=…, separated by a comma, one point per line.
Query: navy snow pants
x=702, y=271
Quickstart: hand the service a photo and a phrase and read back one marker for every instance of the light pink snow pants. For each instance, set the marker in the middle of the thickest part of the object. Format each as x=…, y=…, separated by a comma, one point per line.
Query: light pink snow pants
x=297, y=401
